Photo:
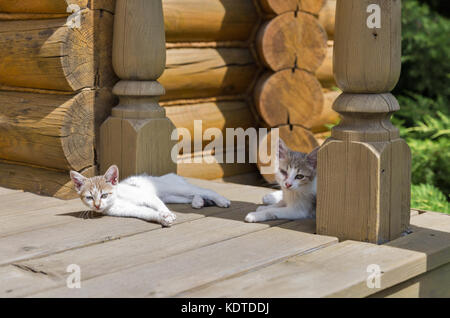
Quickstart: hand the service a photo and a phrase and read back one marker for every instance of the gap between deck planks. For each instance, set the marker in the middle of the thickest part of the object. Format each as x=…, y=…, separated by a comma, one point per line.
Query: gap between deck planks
x=31, y=240
x=187, y=260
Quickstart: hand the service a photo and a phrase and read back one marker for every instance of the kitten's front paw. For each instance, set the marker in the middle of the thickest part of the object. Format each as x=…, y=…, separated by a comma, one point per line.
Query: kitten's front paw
x=167, y=218
x=250, y=218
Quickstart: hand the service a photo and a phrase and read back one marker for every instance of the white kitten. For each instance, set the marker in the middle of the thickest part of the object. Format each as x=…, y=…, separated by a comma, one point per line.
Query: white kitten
x=297, y=198
x=142, y=196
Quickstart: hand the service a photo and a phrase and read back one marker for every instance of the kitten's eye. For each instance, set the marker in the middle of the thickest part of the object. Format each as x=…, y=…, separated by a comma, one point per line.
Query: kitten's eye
x=283, y=171
x=299, y=176
x=104, y=195
x=89, y=198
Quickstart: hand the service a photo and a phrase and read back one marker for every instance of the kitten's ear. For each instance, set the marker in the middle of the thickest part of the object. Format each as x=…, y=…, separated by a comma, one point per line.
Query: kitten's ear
x=282, y=149
x=311, y=158
x=77, y=179
x=112, y=175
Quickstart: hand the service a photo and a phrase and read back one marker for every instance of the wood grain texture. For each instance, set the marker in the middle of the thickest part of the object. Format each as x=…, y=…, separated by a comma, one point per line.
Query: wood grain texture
x=355, y=44
x=209, y=20
x=328, y=116
x=288, y=97
x=48, y=55
x=214, y=115
x=195, y=73
x=400, y=260
x=325, y=71
x=137, y=137
x=204, y=165
x=327, y=17
x=38, y=180
x=281, y=6
x=48, y=130
x=173, y=275
x=292, y=40
x=53, y=6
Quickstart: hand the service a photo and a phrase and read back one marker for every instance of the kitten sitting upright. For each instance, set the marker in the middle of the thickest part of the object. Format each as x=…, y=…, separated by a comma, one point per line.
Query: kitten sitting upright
x=141, y=196
x=297, y=178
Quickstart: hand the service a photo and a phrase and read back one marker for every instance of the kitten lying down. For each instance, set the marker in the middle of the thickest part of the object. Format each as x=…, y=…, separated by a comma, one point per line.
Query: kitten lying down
x=142, y=196
x=297, y=178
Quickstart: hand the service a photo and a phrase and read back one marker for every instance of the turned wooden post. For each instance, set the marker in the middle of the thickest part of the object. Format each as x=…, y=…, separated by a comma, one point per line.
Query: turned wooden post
x=137, y=136
x=364, y=168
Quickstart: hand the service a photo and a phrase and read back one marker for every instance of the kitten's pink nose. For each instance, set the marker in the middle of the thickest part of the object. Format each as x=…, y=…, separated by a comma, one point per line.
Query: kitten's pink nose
x=288, y=185
x=97, y=206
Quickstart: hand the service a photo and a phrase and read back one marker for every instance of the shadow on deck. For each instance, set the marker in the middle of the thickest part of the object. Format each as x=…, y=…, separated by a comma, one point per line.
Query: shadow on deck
x=208, y=253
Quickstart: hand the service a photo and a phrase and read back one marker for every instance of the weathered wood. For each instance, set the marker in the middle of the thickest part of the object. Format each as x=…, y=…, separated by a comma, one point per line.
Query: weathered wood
x=195, y=73
x=47, y=54
x=209, y=168
x=296, y=138
x=53, y=6
x=382, y=47
x=173, y=275
x=289, y=97
x=117, y=254
x=137, y=136
x=325, y=71
x=54, y=131
x=281, y=6
x=38, y=180
x=400, y=260
x=214, y=115
x=327, y=16
x=433, y=284
x=292, y=40
x=328, y=115
x=364, y=169
x=209, y=20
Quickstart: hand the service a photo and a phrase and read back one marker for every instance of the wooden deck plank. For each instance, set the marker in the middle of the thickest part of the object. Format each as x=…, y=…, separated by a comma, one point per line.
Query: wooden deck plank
x=148, y=247
x=341, y=270
x=6, y=191
x=433, y=284
x=181, y=272
x=76, y=232
x=20, y=202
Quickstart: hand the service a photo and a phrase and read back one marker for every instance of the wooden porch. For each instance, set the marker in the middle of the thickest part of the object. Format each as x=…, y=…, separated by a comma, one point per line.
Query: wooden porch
x=208, y=253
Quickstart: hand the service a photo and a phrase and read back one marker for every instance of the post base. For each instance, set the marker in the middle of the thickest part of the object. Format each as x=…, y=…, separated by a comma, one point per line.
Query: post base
x=137, y=146
x=363, y=190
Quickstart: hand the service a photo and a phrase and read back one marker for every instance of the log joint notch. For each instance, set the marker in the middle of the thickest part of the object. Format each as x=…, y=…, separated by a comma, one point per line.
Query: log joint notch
x=364, y=168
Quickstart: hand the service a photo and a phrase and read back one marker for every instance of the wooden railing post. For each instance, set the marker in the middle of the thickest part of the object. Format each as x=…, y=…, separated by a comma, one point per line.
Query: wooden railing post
x=137, y=137
x=364, y=168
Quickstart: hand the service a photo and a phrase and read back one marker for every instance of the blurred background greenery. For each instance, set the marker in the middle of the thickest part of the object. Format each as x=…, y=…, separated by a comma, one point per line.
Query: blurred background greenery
x=423, y=93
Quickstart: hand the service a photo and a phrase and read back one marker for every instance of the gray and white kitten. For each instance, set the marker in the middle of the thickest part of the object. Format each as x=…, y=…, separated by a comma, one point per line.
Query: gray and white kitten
x=297, y=178
x=142, y=196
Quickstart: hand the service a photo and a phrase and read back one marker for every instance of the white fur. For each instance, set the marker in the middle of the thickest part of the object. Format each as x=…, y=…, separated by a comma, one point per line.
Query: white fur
x=289, y=204
x=144, y=197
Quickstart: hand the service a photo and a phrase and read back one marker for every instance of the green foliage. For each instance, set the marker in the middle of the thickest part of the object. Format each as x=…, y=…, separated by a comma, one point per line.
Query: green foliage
x=425, y=51
x=428, y=197
x=423, y=92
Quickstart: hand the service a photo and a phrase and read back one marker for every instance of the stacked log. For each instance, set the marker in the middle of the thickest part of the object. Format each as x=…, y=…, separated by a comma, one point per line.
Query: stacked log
x=209, y=73
x=55, y=91
x=291, y=95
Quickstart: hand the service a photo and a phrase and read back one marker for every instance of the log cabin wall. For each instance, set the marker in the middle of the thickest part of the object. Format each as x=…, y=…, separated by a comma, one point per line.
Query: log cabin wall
x=55, y=91
x=222, y=68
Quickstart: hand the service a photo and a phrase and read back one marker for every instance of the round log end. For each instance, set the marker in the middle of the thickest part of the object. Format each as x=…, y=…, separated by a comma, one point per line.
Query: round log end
x=292, y=40
x=279, y=6
x=289, y=97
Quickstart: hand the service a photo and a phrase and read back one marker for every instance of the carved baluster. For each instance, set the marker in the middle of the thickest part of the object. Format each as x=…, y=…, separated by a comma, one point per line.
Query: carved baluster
x=364, y=168
x=137, y=136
